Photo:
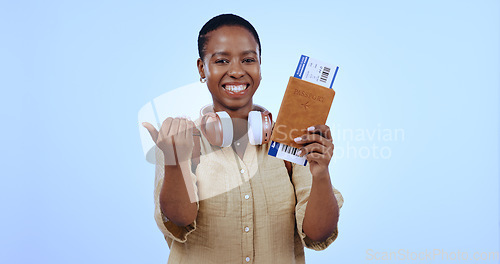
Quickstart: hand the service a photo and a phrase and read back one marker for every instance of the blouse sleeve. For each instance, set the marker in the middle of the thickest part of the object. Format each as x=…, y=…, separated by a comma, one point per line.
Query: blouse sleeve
x=169, y=229
x=302, y=181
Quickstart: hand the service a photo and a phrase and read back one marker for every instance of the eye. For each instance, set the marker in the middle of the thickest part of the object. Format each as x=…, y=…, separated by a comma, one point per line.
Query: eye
x=249, y=60
x=221, y=61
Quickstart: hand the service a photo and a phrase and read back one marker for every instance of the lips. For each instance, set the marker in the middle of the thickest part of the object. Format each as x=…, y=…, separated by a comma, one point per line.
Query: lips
x=235, y=89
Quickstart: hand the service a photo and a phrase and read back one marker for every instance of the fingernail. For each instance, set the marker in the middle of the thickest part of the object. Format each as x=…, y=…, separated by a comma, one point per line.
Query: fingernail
x=297, y=139
x=143, y=123
x=298, y=152
x=310, y=128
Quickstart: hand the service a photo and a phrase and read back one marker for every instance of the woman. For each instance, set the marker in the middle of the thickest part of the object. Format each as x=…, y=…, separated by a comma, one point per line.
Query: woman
x=268, y=209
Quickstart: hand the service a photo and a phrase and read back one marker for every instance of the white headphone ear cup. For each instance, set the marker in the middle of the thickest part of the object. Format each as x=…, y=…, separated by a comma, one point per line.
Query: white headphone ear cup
x=255, y=127
x=227, y=129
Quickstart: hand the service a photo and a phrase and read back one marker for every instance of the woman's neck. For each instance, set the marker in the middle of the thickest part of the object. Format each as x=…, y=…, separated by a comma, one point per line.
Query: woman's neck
x=240, y=113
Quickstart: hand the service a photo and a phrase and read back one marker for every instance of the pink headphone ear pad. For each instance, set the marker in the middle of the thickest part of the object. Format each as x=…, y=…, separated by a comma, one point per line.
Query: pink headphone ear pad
x=217, y=128
x=259, y=127
x=212, y=128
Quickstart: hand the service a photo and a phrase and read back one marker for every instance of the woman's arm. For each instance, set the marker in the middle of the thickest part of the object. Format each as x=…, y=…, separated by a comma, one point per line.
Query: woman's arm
x=322, y=211
x=177, y=196
x=175, y=201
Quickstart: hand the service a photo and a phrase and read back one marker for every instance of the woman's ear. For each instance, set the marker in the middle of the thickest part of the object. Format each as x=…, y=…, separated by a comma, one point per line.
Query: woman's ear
x=201, y=70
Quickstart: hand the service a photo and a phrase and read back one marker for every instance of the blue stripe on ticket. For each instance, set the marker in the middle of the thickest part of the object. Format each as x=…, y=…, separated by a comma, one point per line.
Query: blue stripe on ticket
x=334, y=75
x=273, y=150
x=299, y=72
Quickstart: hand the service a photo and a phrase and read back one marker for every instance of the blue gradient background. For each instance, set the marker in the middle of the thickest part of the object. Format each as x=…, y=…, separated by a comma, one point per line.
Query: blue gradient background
x=77, y=189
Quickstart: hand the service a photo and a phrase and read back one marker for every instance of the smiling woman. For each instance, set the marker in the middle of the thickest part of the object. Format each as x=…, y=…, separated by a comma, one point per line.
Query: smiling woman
x=231, y=65
x=237, y=204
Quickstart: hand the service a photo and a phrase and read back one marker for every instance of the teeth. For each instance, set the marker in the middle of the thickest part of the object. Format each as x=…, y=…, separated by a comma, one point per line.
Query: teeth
x=235, y=88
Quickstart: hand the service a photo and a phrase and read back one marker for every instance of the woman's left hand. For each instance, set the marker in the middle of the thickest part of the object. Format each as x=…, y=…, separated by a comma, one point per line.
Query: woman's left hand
x=318, y=148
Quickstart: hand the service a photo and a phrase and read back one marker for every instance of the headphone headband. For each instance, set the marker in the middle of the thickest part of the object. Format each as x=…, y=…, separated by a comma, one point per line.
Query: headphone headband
x=210, y=108
x=218, y=127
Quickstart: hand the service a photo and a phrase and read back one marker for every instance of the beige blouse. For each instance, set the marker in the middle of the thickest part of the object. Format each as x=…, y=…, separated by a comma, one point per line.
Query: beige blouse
x=249, y=210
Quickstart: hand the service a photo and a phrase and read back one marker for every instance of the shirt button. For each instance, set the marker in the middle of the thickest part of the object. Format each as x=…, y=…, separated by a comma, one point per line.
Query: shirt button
x=247, y=259
x=247, y=228
x=247, y=196
x=242, y=171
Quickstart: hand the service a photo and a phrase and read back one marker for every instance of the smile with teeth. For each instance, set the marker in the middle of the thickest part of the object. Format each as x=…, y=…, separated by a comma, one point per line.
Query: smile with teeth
x=235, y=88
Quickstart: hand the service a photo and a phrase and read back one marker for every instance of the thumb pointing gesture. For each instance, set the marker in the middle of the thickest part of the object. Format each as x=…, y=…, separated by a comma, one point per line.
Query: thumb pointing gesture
x=167, y=149
x=152, y=130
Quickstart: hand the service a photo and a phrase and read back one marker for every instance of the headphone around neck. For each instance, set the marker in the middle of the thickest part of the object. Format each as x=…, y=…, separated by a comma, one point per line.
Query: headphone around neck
x=217, y=127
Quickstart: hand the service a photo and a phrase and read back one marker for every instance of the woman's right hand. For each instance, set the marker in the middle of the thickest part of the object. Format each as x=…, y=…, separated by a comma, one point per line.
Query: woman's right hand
x=175, y=139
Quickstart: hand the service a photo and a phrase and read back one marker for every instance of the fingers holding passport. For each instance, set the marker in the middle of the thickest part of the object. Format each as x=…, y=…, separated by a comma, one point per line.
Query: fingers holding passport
x=322, y=130
x=317, y=140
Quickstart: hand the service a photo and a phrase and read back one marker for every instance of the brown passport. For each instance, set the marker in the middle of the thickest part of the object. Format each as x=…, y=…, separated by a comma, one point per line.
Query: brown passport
x=304, y=104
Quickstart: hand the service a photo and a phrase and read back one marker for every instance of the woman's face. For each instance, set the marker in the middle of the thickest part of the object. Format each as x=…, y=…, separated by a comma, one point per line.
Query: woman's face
x=232, y=68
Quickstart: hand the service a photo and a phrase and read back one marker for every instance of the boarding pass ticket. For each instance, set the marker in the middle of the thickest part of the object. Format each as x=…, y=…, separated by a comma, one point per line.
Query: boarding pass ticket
x=314, y=71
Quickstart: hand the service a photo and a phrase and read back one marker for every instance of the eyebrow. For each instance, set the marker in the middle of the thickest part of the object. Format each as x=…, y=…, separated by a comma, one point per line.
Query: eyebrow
x=249, y=51
x=223, y=53
x=220, y=53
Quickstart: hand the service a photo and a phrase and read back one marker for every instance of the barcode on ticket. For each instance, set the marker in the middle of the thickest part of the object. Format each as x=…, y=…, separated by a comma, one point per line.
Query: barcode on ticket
x=286, y=152
x=324, y=74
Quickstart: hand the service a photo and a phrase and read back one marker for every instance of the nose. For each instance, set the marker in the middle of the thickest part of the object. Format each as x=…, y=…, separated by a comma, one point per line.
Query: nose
x=236, y=71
